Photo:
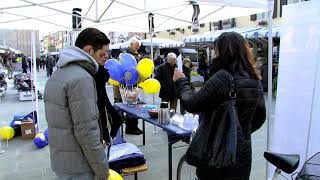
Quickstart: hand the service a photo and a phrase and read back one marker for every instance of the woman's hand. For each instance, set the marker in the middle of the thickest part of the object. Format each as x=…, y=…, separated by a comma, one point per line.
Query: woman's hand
x=178, y=75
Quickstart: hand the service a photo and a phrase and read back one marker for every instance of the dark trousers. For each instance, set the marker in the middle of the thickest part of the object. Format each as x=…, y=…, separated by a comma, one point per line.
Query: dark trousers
x=131, y=123
x=24, y=70
x=50, y=71
x=224, y=173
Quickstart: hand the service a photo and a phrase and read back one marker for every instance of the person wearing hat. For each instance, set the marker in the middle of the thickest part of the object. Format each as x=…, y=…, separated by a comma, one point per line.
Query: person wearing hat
x=164, y=74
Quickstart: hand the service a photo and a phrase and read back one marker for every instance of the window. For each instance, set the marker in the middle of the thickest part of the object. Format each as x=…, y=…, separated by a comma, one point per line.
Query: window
x=295, y=1
x=262, y=16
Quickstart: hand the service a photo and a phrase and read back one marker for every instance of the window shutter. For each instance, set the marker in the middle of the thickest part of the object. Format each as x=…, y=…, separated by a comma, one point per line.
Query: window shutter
x=253, y=17
x=275, y=8
x=282, y=3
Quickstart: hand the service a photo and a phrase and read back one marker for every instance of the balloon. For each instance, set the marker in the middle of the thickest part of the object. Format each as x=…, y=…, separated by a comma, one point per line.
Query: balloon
x=131, y=76
x=128, y=61
x=40, y=140
x=113, y=82
x=114, y=175
x=46, y=135
x=150, y=86
x=6, y=132
x=145, y=68
x=115, y=69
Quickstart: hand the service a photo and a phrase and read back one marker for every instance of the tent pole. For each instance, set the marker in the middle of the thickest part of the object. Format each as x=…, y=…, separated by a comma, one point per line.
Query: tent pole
x=30, y=5
x=35, y=81
x=28, y=17
x=270, y=66
x=97, y=16
x=153, y=95
x=98, y=20
x=85, y=15
x=58, y=10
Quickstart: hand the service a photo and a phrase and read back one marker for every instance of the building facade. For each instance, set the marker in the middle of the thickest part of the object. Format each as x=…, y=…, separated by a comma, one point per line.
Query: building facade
x=55, y=41
x=20, y=40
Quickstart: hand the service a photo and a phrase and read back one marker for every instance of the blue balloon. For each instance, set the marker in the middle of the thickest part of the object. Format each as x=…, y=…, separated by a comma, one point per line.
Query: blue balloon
x=115, y=69
x=128, y=61
x=131, y=76
x=40, y=141
x=46, y=135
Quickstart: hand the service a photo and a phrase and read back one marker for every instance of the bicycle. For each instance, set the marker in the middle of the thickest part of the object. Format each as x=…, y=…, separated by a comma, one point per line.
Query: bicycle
x=184, y=170
x=287, y=163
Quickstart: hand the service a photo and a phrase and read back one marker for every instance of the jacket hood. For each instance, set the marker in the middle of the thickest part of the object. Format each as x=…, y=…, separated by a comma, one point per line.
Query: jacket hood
x=75, y=54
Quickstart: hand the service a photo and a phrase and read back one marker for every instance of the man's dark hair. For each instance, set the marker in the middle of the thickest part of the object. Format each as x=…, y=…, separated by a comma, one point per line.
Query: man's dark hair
x=93, y=37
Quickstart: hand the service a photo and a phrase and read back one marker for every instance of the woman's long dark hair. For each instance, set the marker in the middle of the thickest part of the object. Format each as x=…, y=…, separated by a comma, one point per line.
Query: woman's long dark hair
x=233, y=54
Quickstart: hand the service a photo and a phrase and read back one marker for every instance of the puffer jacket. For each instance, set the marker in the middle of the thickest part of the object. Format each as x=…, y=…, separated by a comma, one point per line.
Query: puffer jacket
x=72, y=115
x=250, y=105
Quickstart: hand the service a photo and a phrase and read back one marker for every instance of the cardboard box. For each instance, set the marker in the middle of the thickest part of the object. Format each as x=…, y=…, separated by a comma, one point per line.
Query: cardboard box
x=28, y=129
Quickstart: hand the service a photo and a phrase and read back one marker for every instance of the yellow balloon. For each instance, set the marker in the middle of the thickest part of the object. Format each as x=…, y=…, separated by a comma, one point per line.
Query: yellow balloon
x=114, y=175
x=145, y=68
x=150, y=86
x=113, y=82
x=6, y=132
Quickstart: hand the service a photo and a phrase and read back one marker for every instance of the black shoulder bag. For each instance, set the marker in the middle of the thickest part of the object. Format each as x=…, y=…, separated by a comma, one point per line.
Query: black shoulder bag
x=214, y=145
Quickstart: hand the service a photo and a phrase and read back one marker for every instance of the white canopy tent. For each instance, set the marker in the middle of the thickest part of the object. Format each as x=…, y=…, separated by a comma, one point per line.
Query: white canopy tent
x=126, y=15
x=120, y=15
x=156, y=42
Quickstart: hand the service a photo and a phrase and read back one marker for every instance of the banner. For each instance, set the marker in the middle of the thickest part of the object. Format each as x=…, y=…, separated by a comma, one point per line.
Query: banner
x=295, y=128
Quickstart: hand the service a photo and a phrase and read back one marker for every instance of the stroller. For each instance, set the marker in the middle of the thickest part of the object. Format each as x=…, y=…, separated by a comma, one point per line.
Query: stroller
x=3, y=84
x=23, y=83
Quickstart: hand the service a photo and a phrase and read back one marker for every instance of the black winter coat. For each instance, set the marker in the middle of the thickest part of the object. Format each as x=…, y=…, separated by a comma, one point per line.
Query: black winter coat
x=250, y=105
x=187, y=72
x=164, y=74
x=115, y=120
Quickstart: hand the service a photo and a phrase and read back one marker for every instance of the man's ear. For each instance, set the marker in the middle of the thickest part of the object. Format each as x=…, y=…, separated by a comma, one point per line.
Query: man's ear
x=88, y=49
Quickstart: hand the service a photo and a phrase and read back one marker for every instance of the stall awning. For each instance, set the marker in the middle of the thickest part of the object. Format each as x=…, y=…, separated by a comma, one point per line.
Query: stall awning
x=250, y=32
x=263, y=33
x=211, y=36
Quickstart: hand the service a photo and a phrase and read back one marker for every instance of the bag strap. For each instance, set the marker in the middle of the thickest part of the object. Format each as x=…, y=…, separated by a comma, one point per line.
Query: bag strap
x=232, y=93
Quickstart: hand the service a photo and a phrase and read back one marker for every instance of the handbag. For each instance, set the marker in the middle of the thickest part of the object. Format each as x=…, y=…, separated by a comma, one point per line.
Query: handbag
x=214, y=144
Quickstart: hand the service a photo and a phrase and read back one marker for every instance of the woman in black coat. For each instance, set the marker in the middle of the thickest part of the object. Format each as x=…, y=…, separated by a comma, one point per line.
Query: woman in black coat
x=106, y=110
x=234, y=57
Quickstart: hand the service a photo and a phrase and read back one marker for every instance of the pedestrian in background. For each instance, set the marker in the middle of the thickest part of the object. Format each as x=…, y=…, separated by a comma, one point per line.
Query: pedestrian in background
x=24, y=65
x=132, y=123
x=164, y=74
x=158, y=61
x=186, y=67
x=51, y=62
x=38, y=63
x=9, y=67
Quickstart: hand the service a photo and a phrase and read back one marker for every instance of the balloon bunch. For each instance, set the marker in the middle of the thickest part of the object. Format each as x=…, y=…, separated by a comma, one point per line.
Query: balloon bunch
x=41, y=139
x=127, y=72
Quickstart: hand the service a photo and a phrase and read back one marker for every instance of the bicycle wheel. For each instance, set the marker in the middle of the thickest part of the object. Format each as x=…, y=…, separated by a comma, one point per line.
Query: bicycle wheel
x=186, y=171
